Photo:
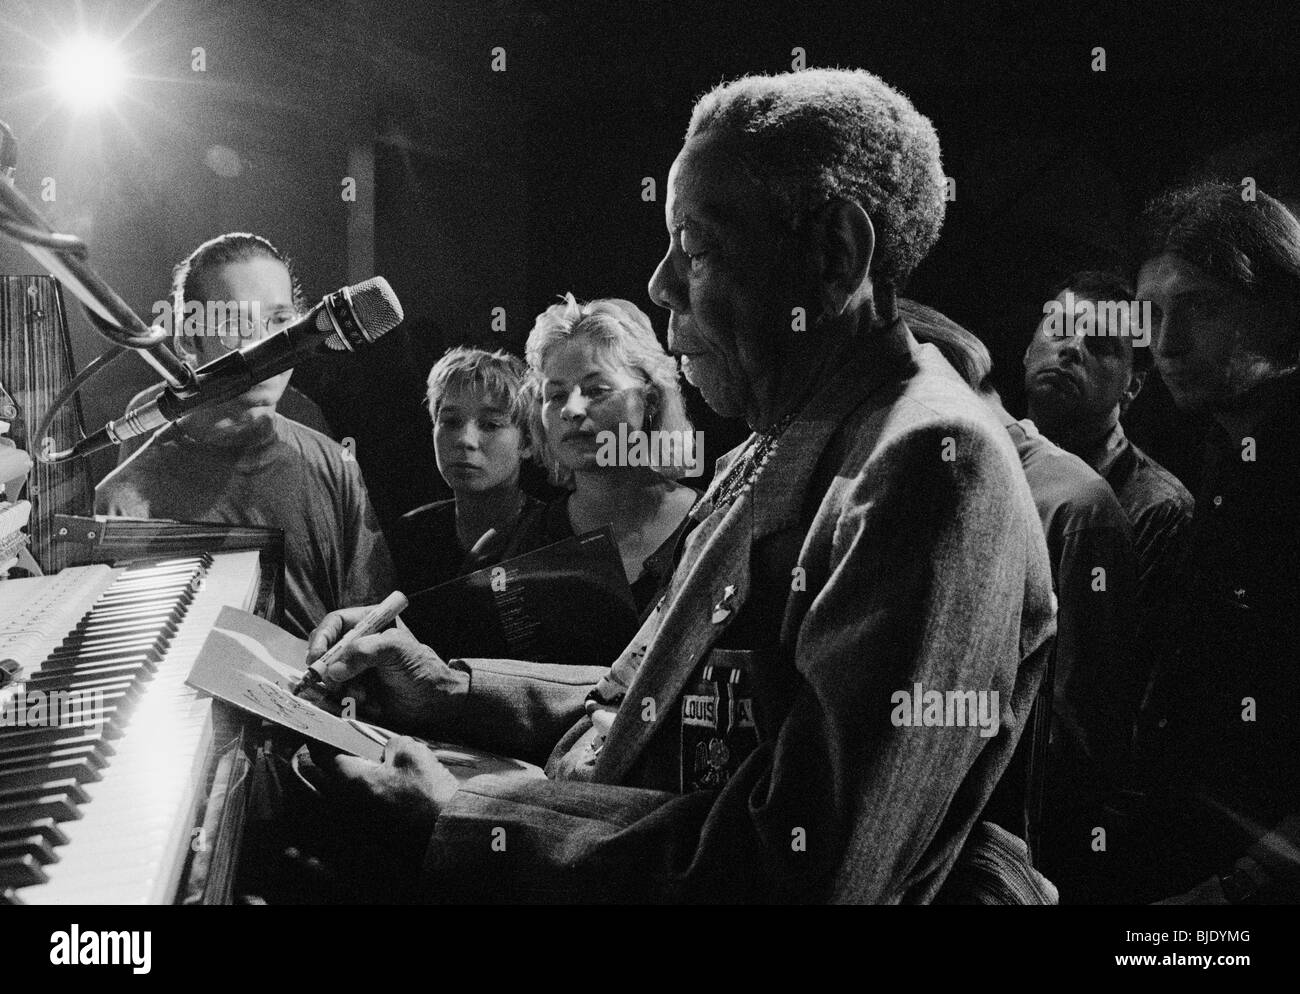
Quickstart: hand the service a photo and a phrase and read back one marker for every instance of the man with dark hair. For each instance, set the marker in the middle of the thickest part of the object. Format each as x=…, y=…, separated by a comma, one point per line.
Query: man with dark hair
x=1094, y=573
x=1079, y=381
x=1218, y=743
x=872, y=550
x=241, y=461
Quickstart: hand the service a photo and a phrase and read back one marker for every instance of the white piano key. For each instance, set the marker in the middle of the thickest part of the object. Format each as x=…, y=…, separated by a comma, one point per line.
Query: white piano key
x=130, y=845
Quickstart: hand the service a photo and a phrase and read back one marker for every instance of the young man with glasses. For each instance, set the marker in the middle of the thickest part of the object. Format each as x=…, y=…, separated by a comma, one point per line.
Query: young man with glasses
x=241, y=462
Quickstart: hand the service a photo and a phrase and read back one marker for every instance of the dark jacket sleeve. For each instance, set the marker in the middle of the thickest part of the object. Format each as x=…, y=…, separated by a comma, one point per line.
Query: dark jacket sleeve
x=517, y=708
x=1098, y=683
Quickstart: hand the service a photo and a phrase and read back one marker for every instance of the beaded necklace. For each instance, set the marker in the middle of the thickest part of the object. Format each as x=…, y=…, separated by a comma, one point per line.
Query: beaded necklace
x=744, y=471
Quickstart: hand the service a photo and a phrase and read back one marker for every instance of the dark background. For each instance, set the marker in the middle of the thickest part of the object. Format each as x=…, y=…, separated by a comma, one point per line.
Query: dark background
x=484, y=189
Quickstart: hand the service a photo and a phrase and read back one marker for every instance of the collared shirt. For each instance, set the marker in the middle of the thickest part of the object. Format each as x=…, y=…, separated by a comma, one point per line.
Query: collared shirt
x=1158, y=506
x=1220, y=731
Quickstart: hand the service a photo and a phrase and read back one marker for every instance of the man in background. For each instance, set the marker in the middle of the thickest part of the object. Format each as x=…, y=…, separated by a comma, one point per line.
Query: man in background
x=1096, y=685
x=241, y=462
x=1217, y=753
x=1079, y=381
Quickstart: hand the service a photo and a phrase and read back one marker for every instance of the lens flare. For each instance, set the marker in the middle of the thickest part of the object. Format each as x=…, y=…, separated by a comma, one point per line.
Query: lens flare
x=87, y=73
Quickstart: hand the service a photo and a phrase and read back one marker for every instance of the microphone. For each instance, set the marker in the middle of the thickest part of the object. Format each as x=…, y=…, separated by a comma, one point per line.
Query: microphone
x=346, y=319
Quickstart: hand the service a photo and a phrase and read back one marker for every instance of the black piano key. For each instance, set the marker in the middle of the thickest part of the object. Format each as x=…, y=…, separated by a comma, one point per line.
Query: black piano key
x=88, y=754
x=71, y=646
x=73, y=659
x=170, y=580
x=54, y=734
x=72, y=652
x=116, y=616
x=66, y=786
x=121, y=696
x=43, y=773
x=143, y=593
x=141, y=580
x=141, y=605
x=106, y=640
x=36, y=846
x=89, y=661
x=58, y=806
x=47, y=828
x=95, y=623
x=137, y=576
x=110, y=638
x=133, y=675
x=61, y=710
x=89, y=707
x=126, y=663
x=90, y=679
x=93, y=740
x=21, y=871
x=70, y=658
x=161, y=600
x=127, y=626
x=144, y=598
x=133, y=628
x=167, y=578
x=128, y=684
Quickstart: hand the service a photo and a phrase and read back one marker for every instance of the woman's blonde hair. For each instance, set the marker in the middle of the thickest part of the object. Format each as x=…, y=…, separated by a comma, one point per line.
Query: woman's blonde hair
x=619, y=331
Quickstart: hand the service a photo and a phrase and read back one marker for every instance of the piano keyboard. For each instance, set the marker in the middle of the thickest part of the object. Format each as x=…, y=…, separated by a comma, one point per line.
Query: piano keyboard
x=102, y=813
x=36, y=613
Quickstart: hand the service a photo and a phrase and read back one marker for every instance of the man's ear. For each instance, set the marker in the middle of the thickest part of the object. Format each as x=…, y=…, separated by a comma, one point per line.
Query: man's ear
x=1136, y=378
x=844, y=245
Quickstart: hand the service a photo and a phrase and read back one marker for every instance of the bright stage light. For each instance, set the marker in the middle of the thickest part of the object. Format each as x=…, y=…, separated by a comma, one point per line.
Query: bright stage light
x=87, y=72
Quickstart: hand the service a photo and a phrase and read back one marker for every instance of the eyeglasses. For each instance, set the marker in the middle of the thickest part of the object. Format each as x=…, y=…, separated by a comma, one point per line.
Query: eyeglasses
x=236, y=333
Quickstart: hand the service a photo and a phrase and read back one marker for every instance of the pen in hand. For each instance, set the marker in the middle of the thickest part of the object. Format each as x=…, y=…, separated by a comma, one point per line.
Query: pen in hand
x=377, y=619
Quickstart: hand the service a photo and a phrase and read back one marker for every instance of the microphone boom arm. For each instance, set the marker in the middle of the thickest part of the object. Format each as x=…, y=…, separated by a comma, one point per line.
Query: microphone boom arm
x=111, y=315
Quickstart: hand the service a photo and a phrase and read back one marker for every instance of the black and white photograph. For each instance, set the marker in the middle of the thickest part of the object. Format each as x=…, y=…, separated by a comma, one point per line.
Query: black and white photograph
x=639, y=453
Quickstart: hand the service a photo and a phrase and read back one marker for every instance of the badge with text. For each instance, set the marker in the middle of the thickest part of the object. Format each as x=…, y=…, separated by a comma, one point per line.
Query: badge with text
x=717, y=721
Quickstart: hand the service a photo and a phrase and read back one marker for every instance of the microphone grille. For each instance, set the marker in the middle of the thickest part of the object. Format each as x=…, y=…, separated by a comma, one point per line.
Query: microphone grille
x=375, y=307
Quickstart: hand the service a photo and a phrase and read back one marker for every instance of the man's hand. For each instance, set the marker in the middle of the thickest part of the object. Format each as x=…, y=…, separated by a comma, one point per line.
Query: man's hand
x=406, y=686
x=407, y=790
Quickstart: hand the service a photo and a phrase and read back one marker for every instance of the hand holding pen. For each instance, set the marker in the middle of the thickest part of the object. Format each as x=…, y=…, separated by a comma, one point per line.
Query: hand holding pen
x=375, y=620
x=408, y=687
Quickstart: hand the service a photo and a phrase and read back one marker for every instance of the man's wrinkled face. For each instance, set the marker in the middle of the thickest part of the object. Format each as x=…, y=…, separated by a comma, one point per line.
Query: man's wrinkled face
x=723, y=280
x=1207, y=335
x=1074, y=377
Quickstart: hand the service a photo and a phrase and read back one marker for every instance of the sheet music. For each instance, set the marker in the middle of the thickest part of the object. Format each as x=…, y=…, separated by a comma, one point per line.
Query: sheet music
x=253, y=664
x=245, y=661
